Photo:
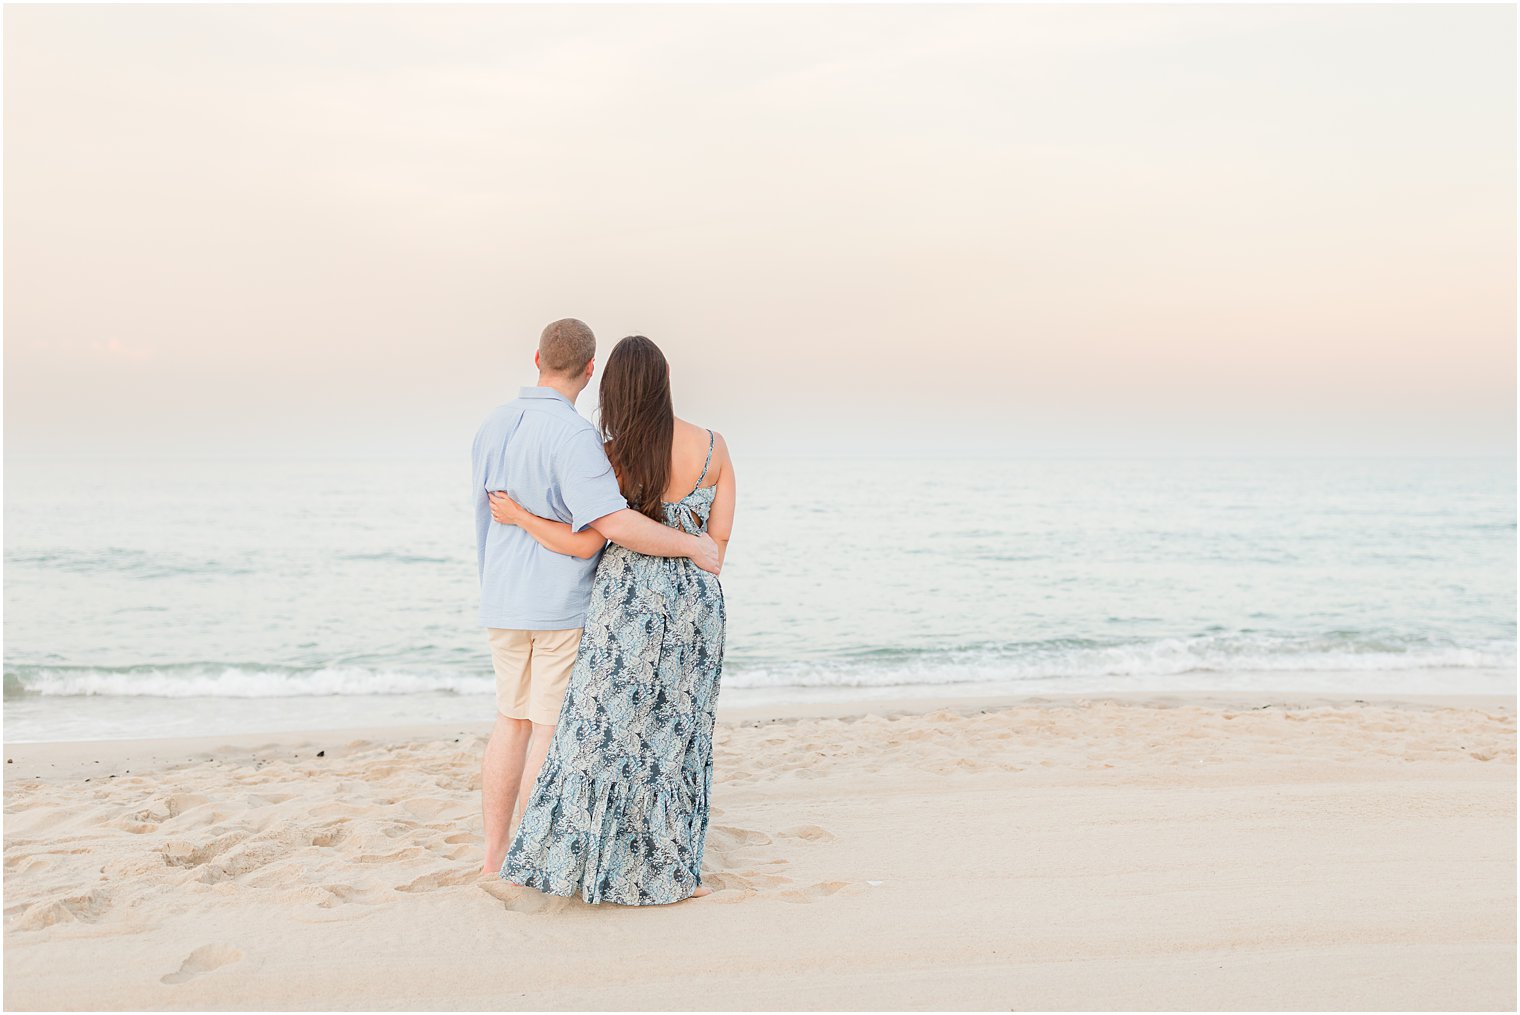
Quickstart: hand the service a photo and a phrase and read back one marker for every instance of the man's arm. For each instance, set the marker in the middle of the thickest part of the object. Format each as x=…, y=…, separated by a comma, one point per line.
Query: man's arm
x=720, y=520
x=643, y=534
x=548, y=533
x=590, y=492
x=482, y=507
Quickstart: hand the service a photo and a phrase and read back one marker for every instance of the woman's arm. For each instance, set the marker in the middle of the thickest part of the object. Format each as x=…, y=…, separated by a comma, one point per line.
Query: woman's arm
x=720, y=523
x=551, y=535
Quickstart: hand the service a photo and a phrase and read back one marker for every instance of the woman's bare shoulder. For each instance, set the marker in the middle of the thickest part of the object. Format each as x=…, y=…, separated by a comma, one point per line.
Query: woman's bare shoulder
x=688, y=432
x=691, y=443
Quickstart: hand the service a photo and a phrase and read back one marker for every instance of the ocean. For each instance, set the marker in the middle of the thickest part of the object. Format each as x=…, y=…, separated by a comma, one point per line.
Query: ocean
x=162, y=598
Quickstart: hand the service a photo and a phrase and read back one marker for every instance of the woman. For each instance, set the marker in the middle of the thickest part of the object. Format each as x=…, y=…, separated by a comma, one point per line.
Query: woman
x=619, y=811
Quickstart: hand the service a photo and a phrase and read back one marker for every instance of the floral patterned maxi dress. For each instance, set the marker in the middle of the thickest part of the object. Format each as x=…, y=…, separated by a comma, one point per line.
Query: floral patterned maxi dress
x=619, y=811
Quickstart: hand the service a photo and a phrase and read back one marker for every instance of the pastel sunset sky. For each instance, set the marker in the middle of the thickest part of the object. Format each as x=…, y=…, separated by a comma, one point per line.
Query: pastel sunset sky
x=854, y=230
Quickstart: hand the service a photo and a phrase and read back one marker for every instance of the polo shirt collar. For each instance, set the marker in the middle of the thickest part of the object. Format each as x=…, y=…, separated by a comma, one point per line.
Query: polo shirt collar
x=537, y=392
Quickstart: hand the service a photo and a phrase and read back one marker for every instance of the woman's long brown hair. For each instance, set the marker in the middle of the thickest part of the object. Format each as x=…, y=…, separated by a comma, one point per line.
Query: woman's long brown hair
x=638, y=422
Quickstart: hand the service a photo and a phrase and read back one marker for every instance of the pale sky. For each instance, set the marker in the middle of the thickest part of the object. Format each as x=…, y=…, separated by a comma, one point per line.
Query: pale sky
x=975, y=230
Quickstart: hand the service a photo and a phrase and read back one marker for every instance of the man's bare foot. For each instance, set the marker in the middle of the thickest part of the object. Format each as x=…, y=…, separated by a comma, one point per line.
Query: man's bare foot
x=699, y=891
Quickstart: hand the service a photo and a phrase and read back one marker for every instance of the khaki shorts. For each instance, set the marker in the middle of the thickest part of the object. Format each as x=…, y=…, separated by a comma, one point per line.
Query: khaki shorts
x=532, y=671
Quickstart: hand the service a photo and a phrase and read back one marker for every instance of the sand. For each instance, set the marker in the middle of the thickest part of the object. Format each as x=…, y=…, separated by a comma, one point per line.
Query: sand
x=1142, y=852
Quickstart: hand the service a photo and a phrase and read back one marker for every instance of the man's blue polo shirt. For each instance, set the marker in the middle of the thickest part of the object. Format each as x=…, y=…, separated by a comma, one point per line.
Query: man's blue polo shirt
x=549, y=459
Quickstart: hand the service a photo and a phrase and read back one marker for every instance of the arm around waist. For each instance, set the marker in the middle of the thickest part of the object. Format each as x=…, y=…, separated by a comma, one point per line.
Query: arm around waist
x=645, y=535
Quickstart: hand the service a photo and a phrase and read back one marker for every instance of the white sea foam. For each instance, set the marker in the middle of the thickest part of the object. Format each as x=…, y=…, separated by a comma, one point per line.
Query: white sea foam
x=1151, y=662
x=1159, y=663
x=238, y=682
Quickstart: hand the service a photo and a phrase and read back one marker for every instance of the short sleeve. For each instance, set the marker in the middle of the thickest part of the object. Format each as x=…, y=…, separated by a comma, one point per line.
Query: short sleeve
x=587, y=483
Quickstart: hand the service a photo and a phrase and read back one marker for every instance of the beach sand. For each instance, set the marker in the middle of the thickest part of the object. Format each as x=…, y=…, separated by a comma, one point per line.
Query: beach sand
x=1180, y=851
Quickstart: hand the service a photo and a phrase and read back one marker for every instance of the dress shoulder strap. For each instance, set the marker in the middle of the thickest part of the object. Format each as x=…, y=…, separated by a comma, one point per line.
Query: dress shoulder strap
x=705, y=465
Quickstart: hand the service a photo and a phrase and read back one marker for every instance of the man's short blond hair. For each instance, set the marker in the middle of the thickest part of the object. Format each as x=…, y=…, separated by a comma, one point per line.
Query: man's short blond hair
x=566, y=347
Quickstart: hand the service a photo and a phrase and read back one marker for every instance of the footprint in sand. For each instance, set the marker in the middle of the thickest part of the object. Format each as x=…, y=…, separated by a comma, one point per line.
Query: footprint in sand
x=729, y=896
x=85, y=908
x=427, y=807
x=329, y=896
x=203, y=960
x=744, y=881
x=517, y=899
x=727, y=837
x=813, y=893
x=170, y=807
x=134, y=827
x=184, y=854
x=812, y=833
x=409, y=853
x=329, y=836
x=439, y=879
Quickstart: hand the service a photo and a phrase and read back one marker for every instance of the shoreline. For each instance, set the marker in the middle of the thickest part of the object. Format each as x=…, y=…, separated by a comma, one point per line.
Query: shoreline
x=42, y=718
x=87, y=758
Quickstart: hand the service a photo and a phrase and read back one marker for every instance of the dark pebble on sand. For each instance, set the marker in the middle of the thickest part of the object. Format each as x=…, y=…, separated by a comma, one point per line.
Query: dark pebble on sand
x=321, y=754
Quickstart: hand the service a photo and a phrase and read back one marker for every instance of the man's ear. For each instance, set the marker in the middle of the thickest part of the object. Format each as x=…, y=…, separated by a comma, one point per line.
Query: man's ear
x=535, y=362
x=590, y=367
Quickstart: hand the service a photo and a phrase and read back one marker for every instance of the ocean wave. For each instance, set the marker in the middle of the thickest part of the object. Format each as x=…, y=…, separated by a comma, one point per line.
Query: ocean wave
x=142, y=564
x=1151, y=662
x=208, y=680
x=387, y=557
x=137, y=564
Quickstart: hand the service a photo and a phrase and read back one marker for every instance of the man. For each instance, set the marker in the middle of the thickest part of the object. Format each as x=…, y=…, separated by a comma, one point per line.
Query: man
x=533, y=601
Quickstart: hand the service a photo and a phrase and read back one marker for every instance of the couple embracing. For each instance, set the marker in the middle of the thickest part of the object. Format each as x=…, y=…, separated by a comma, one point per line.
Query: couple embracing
x=599, y=554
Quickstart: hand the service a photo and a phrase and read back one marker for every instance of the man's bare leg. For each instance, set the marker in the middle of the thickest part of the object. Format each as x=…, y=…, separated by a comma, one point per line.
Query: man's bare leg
x=501, y=773
x=536, y=755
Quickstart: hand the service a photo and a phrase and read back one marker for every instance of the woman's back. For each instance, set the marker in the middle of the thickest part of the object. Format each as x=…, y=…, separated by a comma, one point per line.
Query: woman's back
x=701, y=481
x=689, y=445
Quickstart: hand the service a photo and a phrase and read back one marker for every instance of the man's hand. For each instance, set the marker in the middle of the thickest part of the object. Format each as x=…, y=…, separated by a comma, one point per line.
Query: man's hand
x=504, y=509
x=705, y=554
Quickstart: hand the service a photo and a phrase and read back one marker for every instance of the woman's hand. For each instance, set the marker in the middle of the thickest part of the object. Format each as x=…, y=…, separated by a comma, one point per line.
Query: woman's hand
x=504, y=509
